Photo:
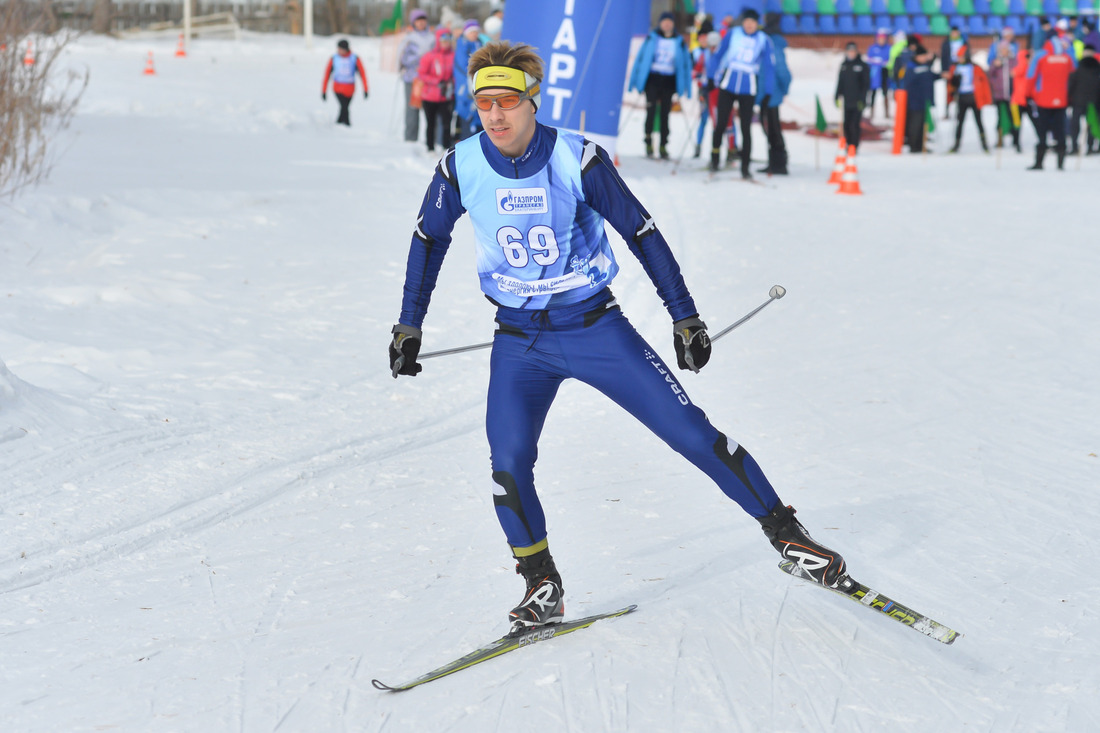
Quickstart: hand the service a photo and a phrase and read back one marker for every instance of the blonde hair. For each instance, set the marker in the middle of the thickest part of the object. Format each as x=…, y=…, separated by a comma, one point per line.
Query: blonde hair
x=502, y=53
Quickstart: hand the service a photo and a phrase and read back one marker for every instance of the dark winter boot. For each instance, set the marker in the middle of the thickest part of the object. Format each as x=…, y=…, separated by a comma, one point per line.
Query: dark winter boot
x=1061, y=151
x=1040, y=153
x=793, y=542
x=664, y=152
x=648, y=147
x=542, y=603
x=715, y=160
x=698, y=151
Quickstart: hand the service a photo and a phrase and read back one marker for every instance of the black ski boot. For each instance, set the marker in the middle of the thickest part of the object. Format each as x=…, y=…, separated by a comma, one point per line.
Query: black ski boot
x=1040, y=153
x=1061, y=151
x=793, y=542
x=543, y=603
x=648, y=146
x=715, y=160
x=663, y=152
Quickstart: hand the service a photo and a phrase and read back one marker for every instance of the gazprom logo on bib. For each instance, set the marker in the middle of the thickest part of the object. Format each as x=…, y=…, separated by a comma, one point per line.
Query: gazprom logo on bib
x=521, y=201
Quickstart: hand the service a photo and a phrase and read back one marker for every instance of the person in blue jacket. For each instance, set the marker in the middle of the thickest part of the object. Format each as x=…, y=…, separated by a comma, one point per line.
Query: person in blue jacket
x=538, y=199
x=467, y=121
x=878, y=56
x=742, y=67
x=769, y=105
x=662, y=69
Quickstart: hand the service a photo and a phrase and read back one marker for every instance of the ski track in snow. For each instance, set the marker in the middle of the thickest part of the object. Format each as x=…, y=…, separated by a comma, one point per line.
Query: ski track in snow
x=219, y=512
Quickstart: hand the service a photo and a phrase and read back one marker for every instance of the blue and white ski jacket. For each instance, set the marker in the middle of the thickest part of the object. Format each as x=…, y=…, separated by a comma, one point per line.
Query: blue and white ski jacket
x=744, y=64
x=539, y=226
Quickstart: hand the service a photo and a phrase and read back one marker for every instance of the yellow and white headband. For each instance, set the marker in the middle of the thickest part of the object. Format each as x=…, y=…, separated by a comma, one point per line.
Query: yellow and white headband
x=505, y=77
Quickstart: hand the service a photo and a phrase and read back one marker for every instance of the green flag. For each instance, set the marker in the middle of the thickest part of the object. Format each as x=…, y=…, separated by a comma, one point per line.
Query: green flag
x=928, y=121
x=819, y=124
x=392, y=24
x=1094, y=120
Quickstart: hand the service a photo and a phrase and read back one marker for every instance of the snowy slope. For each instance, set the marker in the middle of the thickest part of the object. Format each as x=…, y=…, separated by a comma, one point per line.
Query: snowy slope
x=219, y=512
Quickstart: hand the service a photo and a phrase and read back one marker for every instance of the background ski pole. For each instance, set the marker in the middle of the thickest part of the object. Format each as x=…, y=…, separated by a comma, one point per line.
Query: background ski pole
x=777, y=292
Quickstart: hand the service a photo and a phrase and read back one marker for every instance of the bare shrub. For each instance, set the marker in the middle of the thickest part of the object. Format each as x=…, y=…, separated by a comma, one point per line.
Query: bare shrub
x=37, y=101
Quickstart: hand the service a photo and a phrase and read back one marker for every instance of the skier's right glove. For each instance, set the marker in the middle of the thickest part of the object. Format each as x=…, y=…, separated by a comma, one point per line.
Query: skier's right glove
x=692, y=343
x=404, y=349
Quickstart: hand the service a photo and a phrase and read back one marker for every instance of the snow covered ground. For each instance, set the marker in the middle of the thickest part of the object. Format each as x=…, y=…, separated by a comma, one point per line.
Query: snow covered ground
x=219, y=511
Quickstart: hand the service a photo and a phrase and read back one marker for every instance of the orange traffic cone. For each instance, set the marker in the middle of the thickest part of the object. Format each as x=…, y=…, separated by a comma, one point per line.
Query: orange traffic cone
x=149, y=70
x=28, y=58
x=840, y=161
x=181, y=51
x=849, y=183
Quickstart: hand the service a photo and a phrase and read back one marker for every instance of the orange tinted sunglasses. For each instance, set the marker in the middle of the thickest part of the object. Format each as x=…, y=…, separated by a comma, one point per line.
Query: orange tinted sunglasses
x=504, y=101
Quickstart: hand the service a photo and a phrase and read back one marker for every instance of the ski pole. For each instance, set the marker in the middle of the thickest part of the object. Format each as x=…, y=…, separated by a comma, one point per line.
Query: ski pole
x=777, y=292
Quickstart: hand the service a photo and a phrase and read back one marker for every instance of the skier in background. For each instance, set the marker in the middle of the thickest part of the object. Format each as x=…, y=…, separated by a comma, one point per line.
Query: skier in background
x=742, y=68
x=878, y=56
x=852, y=85
x=920, y=83
x=418, y=41
x=972, y=87
x=342, y=68
x=661, y=70
x=538, y=198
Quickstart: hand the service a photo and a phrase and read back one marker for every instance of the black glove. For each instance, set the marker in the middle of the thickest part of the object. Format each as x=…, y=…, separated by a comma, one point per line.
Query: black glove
x=324, y=97
x=692, y=343
x=365, y=94
x=404, y=349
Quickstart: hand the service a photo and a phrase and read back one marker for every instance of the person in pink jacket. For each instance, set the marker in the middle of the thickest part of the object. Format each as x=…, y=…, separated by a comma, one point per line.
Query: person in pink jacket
x=437, y=93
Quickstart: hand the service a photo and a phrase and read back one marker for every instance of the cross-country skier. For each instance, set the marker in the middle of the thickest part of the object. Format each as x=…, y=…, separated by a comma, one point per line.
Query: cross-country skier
x=742, y=69
x=342, y=68
x=538, y=198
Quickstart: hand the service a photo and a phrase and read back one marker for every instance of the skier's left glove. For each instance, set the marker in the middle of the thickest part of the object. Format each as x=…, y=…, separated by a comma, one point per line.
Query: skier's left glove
x=692, y=343
x=404, y=349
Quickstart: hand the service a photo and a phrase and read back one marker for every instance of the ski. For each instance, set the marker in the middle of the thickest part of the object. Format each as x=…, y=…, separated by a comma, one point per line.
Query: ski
x=503, y=645
x=884, y=605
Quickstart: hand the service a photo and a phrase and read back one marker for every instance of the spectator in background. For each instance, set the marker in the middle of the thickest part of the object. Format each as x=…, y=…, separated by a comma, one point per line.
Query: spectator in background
x=1091, y=35
x=878, y=56
x=418, y=41
x=951, y=53
x=437, y=93
x=769, y=103
x=661, y=70
x=1048, y=75
x=342, y=68
x=1084, y=89
x=920, y=85
x=852, y=85
x=467, y=121
x=1002, y=60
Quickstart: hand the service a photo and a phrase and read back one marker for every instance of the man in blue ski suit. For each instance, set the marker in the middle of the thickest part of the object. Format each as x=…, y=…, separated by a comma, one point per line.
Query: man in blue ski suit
x=538, y=198
x=742, y=69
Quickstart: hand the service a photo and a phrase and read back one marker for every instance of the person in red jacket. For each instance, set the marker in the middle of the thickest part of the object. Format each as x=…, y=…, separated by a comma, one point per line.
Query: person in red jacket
x=437, y=93
x=342, y=68
x=1048, y=79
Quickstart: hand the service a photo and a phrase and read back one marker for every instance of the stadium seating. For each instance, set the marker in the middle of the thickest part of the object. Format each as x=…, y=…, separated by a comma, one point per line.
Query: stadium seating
x=926, y=17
